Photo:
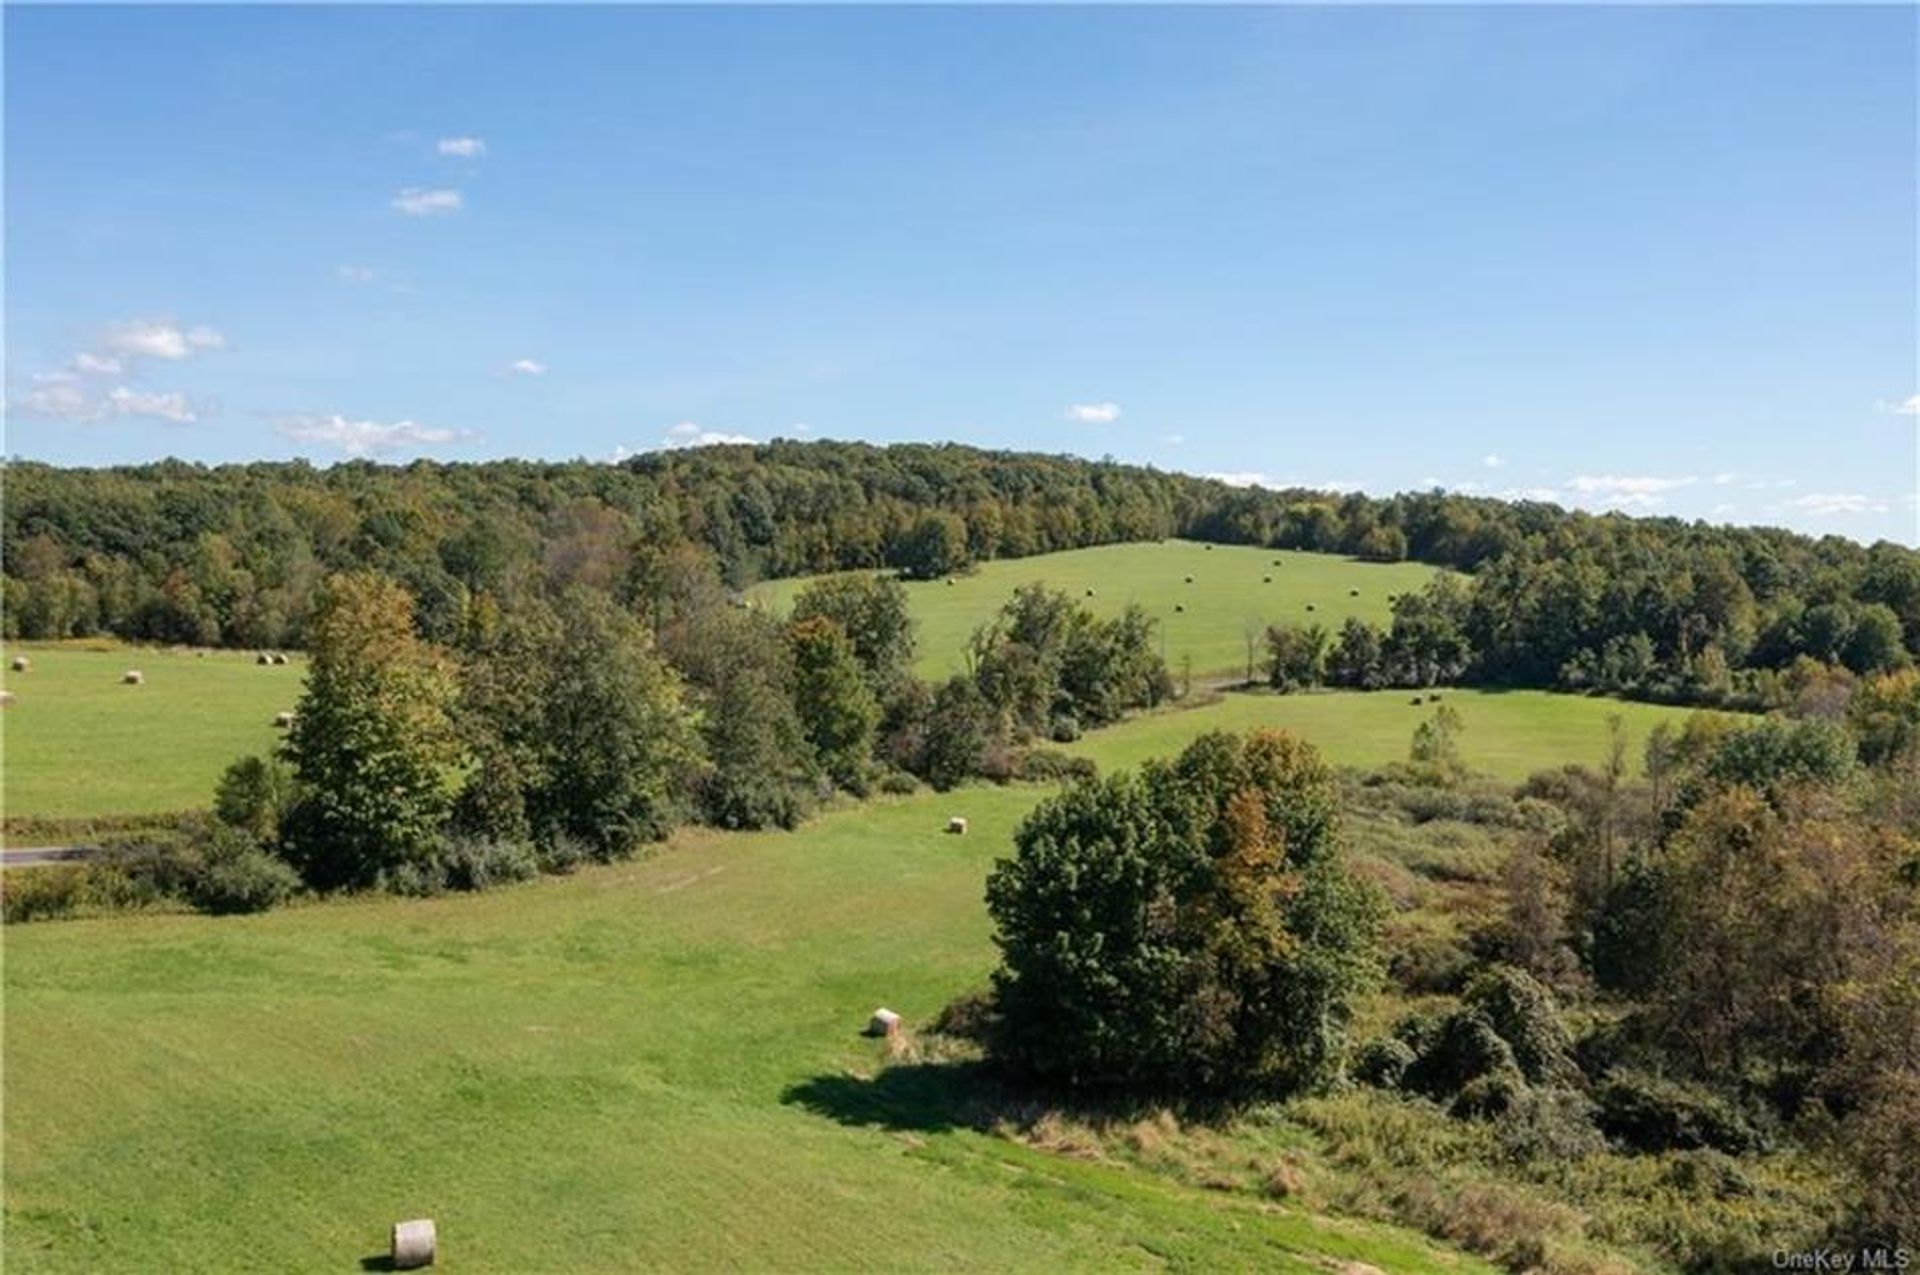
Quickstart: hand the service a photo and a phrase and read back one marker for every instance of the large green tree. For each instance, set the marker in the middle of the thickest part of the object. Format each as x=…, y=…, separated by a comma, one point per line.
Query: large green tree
x=1187, y=928
x=372, y=743
x=837, y=707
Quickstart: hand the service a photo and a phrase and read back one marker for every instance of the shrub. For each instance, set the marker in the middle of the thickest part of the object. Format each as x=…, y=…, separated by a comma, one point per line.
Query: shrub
x=1645, y=1112
x=254, y=793
x=1383, y=1063
x=897, y=783
x=1523, y=1012
x=561, y=853
x=40, y=894
x=1549, y=1124
x=1462, y=1048
x=1051, y=763
x=1493, y=1093
x=480, y=863
x=237, y=875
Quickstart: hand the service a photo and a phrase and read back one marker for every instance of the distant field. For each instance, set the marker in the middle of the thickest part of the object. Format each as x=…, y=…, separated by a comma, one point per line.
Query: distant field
x=1227, y=592
x=78, y=744
x=1508, y=734
x=645, y=1067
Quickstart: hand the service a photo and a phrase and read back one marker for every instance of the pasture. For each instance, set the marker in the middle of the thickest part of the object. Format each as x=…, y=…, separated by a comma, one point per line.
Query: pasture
x=1229, y=593
x=1508, y=734
x=79, y=744
x=645, y=1066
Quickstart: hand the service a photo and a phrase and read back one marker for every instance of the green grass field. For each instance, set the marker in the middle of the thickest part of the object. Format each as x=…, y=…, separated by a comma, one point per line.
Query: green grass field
x=650, y=1066
x=1226, y=594
x=1508, y=734
x=78, y=744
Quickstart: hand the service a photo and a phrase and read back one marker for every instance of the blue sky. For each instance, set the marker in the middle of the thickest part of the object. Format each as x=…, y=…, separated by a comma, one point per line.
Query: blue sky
x=1660, y=259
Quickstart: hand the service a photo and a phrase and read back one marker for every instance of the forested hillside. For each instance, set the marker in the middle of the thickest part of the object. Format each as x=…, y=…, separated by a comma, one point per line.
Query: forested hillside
x=234, y=555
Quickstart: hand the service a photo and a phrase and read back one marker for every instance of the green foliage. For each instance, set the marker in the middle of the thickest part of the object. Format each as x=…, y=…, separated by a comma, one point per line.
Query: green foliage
x=760, y=765
x=372, y=742
x=836, y=705
x=579, y=726
x=1522, y=1011
x=255, y=794
x=237, y=874
x=1187, y=928
x=872, y=611
x=41, y=894
x=1651, y=1113
x=1296, y=656
x=935, y=546
x=1436, y=743
x=954, y=734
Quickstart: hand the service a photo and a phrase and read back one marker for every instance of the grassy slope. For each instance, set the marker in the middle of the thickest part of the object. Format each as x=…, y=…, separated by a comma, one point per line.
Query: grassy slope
x=1508, y=734
x=643, y=1066
x=1226, y=592
x=78, y=743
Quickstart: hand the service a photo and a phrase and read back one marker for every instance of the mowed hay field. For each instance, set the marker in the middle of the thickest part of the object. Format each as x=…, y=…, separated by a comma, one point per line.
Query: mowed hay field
x=1507, y=734
x=79, y=744
x=641, y=1067
x=1227, y=592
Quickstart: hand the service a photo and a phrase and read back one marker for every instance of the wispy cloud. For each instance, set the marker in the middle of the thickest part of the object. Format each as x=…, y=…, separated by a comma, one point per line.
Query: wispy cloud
x=1174, y=440
x=527, y=367
x=1837, y=504
x=170, y=405
x=356, y=274
x=367, y=438
x=1492, y=460
x=158, y=339
x=1911, y=407
x=1627, y=491
x=688, y=434
x=1094, y=413
x=462, y=147
x=416, y=201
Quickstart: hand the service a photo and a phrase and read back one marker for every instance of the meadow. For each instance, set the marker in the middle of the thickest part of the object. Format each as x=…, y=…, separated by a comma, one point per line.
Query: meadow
x=1230, y=591
x=1507, y=734
x=77, y=744
x=646, y=1066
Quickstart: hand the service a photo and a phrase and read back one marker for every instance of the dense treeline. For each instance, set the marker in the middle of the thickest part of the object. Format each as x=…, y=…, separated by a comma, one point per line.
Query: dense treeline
x=235, y=555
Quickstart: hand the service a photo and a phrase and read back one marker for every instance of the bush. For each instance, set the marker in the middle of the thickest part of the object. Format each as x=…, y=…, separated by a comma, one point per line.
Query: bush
x=897, y=783
x=561, y=853
x=254, y=793
x=1549, y=1124
x=1644, y=1112
x=1064, y=729
x=480, y=863
x=1523, y=1012
x=237, y=875
x=1383, y=1063
x=1494, y=1093
x=1462, y=1048
x=41, y=894
x=1051, y=763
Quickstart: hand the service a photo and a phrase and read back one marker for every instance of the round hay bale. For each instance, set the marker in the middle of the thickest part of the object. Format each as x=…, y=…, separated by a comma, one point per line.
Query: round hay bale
x=21, y=664
x=1209, y=548
x=1353, y=593
x=1309, y=606
x=283, y=720
x=1189, y=579
x=957, y=826
x=1180, y=607
x=413, y=1244
x=263, y=658
x=1415, y=700
x=279, y=657
x=1089, y=592
x=132, y=677
x=1266, y=579
x=883, y=1023
x=6, y=698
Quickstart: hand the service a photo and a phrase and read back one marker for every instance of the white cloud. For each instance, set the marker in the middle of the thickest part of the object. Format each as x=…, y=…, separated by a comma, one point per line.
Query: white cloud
x=527, y=367
x=169, y=405
x=415, y=201
x=462, y=147
x=1492, y=460
x=154, y=339
x=1174, y=440
x=1094, y=413
x=1626, y=491
x=356, y=274
x=1909, y=408
x=92, y=364
x=367, y=438
x=688, y=434
x=1723, y=510
x=1834, y=504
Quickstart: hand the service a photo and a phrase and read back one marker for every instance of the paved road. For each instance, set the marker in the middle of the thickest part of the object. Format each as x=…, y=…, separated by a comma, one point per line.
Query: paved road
x=32, y=856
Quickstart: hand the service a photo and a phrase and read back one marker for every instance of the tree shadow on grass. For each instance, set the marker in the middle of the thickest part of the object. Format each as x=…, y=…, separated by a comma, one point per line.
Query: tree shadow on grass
x=920, y=1097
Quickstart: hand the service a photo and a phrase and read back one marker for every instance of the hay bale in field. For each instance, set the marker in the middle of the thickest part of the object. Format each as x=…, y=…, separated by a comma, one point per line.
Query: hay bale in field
x=1266, y=579
x=1209, y=548
x=132, y=677
x=283, y=720
x=21, y=664
x=1180, y=607
x=950, y=580
x=1309, y=606
x=1189, y=579
x=263, y=658
x=6, y=698
x=957, y=826
x=1089, y=592
x=883, y=1023
x=1416, y=701
x=413, y=1244
x=279, y=657
x=1353, y=593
